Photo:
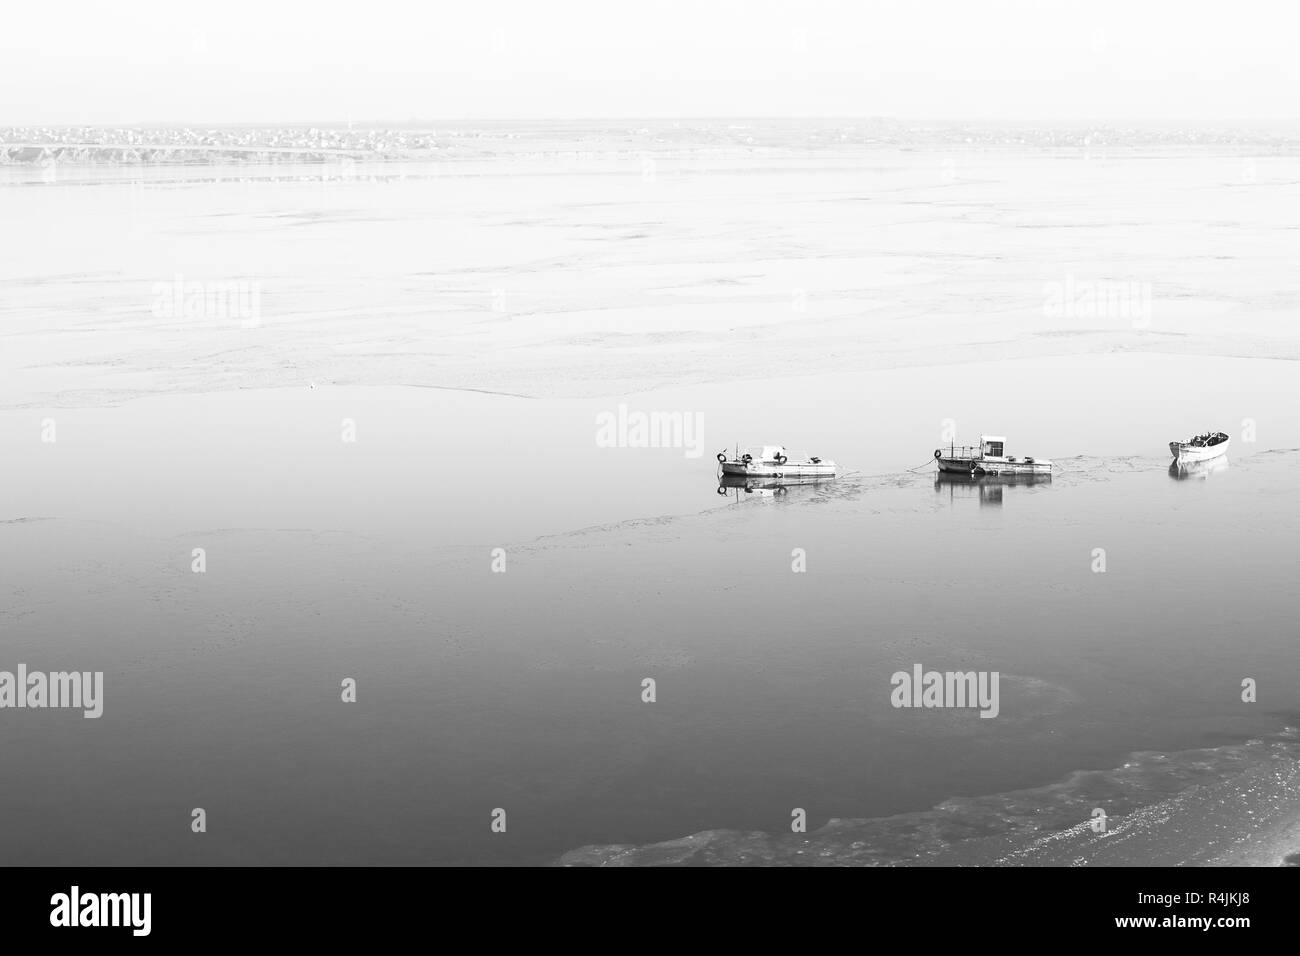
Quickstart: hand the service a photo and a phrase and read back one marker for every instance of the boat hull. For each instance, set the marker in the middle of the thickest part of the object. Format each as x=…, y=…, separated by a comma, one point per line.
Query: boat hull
x=983, y=466
x=1184, y=452
x=791, y=469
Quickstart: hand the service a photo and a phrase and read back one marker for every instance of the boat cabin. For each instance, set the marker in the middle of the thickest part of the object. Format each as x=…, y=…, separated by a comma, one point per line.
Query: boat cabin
x=991, y=448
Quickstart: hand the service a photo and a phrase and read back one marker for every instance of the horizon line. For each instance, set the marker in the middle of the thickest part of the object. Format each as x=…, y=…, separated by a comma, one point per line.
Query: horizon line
x=855, y=118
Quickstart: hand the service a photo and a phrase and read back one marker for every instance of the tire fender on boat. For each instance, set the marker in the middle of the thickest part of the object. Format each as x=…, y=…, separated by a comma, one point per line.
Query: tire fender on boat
x=722, y=456
x=780, y=459
x=938, y=453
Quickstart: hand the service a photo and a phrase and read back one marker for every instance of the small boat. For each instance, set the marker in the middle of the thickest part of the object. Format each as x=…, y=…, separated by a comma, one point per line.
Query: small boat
x=989, y=458
x=1200, y=448
x=772, y=461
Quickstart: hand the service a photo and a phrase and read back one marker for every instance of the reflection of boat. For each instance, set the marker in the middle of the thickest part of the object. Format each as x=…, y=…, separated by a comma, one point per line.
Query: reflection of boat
x=1182, y=470
x=752, y=488
x=988, y=488
x=764, y=487
x=963, y=478
x=988, y=458
x=750, y=485
x=1200, y=448
x=772, y=461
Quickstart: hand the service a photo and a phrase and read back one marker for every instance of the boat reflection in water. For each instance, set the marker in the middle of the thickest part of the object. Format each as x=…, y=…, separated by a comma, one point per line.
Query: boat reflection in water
x=740, y=486
x=987, y=488
x=1182, y=470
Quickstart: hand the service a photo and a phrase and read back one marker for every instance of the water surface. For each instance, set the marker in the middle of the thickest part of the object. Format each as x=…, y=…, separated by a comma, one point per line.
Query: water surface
x=855, y=309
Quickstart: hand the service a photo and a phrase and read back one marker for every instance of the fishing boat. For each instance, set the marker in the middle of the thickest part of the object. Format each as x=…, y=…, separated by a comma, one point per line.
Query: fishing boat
x=772, y=461
x=1200, y=447
x=989, y=458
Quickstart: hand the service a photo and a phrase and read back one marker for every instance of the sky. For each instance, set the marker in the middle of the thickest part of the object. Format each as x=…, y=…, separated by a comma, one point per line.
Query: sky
x=86, y=62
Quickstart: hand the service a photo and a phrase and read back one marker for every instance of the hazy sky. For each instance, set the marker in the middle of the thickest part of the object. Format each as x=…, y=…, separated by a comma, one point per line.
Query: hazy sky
x=88, y=61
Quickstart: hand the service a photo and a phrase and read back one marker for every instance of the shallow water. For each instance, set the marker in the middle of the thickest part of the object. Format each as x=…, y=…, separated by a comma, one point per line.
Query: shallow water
x=1228, y=805
x=521, y=690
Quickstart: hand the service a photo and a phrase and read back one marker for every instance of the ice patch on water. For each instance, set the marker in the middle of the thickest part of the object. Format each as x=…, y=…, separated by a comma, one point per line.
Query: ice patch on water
x=1235, y=803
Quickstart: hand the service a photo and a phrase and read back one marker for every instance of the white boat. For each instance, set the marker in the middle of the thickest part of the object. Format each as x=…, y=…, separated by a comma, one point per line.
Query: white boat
x=1200, y=448
x=989, y=458
x=772, y=461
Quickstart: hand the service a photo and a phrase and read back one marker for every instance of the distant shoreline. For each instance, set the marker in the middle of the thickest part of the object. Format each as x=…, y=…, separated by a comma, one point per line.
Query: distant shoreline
x=174, y=143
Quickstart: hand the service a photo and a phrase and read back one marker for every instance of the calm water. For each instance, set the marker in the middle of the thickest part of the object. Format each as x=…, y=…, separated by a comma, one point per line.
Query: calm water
x=522, y=690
